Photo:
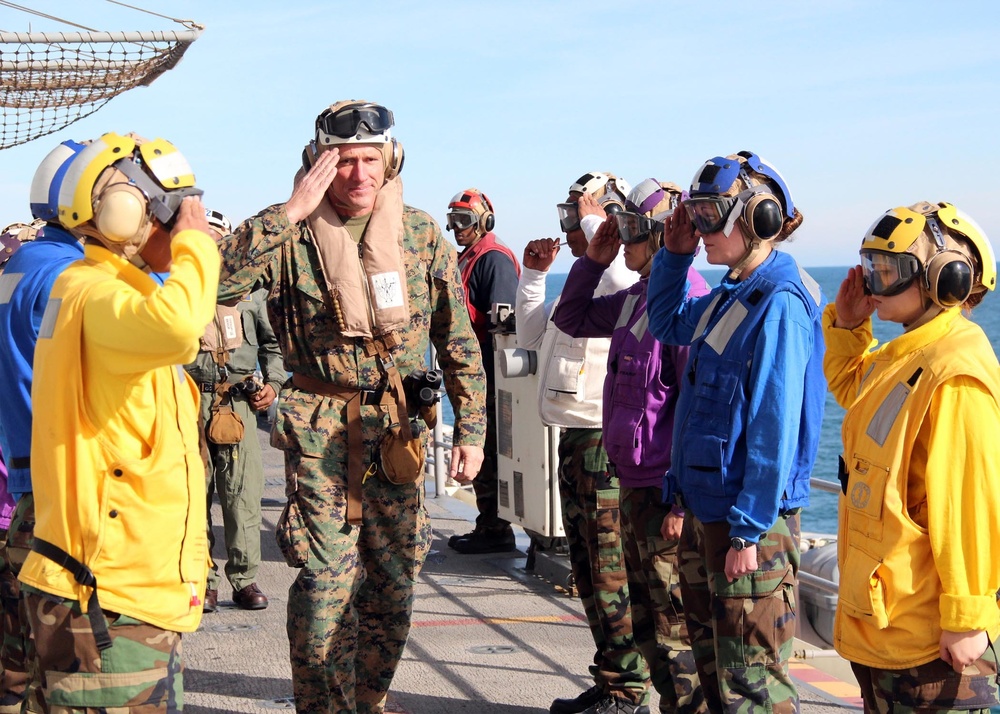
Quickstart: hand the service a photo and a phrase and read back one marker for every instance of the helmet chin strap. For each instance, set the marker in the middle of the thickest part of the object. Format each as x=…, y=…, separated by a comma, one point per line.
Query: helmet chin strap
x=753, y=248
x=932, y=310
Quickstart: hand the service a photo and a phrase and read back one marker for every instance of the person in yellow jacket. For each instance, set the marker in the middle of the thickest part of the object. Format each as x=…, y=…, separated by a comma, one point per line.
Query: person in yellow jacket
x=119, y=560
x=919, y=519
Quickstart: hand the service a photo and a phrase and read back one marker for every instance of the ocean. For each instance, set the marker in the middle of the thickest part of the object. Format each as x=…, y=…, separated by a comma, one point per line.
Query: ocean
x=821, y=515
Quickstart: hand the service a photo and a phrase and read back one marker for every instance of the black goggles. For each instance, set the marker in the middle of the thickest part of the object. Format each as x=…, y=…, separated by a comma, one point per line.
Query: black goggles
x=636, y=228
x=460, y=220
x=348, y=121
x=569, y=217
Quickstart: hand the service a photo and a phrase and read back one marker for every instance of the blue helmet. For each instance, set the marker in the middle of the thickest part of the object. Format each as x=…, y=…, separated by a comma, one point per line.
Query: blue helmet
x=44, y=194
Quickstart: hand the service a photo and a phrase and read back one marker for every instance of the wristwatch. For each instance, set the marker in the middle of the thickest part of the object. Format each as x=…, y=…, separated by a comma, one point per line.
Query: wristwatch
x=739, y=544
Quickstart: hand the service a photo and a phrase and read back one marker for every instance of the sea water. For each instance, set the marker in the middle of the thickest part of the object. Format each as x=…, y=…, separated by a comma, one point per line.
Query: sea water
x=821, y=515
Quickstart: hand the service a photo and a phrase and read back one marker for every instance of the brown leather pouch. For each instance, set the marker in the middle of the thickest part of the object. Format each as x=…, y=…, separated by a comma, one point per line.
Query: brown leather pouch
x=401, y=460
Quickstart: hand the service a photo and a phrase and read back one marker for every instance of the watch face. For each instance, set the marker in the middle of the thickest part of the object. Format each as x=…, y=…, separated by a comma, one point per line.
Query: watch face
x=738, y=543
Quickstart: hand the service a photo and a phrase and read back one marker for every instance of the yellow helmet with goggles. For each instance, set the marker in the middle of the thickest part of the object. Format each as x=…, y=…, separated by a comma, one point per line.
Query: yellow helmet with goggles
x=118, y=187
x=935, y=242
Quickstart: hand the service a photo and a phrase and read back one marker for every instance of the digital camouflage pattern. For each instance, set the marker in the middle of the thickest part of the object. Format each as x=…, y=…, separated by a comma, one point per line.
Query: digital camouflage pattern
x=349, y=608
x=934, y=686
x=592, y=523
x=742, y=632
x=236, y=471
x=657, y=612
x=140, y=673
x=12, y=663
x=17, y=650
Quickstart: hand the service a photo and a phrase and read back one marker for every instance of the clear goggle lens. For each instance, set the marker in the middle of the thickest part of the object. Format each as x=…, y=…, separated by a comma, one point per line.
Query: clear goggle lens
x=635, y=227
x=888, y=273
x=569, y=216
x=348, y=121
x=710, y=213
x=460, y=220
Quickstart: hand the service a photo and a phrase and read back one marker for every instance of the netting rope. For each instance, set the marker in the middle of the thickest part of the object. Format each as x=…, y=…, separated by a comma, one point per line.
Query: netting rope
x=50, y=80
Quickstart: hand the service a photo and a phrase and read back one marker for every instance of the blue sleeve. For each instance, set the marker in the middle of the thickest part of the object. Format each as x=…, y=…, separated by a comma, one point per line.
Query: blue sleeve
x=579, y=313
x=493, y=279
x=673, y=315
x=774, y=410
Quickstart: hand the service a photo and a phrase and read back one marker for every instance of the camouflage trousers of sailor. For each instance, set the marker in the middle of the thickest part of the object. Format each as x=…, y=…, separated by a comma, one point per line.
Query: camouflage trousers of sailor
x=349, y=608
x=17, y=647
x=592, y=522
x=742, y=631
x=931, y=687
x=140, y=673
x=657, y=611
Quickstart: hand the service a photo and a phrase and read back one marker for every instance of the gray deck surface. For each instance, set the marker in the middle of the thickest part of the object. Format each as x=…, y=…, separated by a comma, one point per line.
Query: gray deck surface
x=487, y=636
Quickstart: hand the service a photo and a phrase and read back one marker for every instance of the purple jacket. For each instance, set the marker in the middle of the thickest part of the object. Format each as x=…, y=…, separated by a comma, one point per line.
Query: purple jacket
x=6, y=500
x=643, y=379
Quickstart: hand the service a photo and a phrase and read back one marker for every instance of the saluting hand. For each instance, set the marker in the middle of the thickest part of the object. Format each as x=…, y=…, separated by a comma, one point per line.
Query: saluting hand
x=678, y=233
x=191, y=216
x=588, y=206
x=311, y=188
x=854, y=306
x=539, y=254
x=604, y=247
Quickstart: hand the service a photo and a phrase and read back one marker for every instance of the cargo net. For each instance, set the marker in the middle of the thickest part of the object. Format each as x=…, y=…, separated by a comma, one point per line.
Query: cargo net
x=50, y=80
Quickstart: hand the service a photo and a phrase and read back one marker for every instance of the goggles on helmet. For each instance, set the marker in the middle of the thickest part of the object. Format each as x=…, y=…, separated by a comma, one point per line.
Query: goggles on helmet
x=460, y=220
x=636, y=227
x=710, y=213
x=348, y=121
x=889, y=273
x=569, y=217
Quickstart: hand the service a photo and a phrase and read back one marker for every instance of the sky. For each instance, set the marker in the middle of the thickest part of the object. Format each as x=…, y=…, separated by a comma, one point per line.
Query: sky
x=862, y=106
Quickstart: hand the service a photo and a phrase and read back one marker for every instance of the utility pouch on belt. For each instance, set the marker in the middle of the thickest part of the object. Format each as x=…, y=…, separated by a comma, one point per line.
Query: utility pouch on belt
x=224, y=425
x=291, y=534
x=401, y=460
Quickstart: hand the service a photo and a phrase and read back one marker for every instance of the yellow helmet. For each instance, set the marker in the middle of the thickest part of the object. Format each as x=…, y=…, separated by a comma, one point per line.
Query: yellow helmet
x=936, y=241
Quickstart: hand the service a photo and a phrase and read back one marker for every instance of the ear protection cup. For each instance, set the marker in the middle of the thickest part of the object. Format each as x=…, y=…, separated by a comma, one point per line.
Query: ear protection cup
x=488, y=220
x=949, y=277
x=120, y=213
x=612, y=206
x=763, y=216
x=392, y=155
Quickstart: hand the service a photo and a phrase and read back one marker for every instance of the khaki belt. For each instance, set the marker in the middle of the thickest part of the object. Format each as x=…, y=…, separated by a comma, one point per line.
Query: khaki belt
x=355, y=398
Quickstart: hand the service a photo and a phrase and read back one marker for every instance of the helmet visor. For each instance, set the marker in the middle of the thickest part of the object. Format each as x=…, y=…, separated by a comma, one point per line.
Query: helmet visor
x=569, y=216
x=460, y=220
x=635, y=227
x=888, y=273
x=348, y=121
x=709, y=213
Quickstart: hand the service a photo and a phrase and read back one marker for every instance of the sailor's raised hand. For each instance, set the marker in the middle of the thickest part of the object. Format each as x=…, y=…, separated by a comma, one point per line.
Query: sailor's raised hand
x=604, y=246
x=310, y=188
x=854, y=304
x=678, y=233
x=539, y=254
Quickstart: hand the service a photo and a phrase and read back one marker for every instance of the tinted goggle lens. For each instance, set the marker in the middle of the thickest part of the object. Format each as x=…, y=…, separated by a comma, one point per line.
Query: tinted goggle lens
x=888, y=274
x=460, y=220
x=635, y=228
x=709, y=215
x=569, y=216
x=165, y=206
x=348, y=121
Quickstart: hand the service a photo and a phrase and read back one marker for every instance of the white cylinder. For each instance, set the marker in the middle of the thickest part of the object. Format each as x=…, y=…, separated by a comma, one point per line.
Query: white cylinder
x=517, y=362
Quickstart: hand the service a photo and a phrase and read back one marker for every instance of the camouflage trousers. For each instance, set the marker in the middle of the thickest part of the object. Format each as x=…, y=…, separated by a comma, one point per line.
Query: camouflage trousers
x=349, y=608
x=592, y=522
x=657, y=613
x=741, y=632
x=141, y=672
x=17, y=647
x=236, y=473
x=931, y=687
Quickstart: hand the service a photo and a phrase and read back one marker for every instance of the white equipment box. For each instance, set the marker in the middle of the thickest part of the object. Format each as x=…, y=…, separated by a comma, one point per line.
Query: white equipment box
x=527, y=459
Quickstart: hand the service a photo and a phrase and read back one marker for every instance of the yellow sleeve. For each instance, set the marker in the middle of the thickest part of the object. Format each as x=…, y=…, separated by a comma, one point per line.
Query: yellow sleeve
x=844, y=361
x=963, y=508
x=147, y=331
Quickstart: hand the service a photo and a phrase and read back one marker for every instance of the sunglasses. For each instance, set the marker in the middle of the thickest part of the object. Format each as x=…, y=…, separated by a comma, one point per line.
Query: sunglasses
x=348, y=121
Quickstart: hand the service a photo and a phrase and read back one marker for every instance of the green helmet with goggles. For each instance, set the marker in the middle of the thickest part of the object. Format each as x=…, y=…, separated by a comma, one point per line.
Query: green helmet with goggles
x=470, y=208
x=119, y=187
x=355, y=121
x=647, y=206
x=935, y=242
x=609, y=191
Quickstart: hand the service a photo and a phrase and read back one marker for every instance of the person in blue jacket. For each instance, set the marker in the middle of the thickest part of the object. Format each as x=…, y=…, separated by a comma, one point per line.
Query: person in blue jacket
x=24, y=292
x=746, y=428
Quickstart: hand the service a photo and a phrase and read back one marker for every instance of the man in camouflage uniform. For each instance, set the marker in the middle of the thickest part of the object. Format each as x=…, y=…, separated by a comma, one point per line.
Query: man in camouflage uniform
x=236, y=471
x=359, y=285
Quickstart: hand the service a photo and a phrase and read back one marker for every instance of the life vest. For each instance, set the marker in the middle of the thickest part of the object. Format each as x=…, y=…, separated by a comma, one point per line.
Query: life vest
x=467, y=260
